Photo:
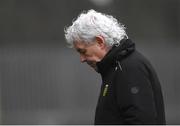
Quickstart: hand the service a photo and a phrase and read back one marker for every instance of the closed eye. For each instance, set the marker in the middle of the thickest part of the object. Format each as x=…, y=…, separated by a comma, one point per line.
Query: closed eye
x=81, y=51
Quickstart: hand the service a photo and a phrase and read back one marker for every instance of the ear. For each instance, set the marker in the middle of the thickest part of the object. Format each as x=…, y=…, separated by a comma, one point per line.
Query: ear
x=101, y=42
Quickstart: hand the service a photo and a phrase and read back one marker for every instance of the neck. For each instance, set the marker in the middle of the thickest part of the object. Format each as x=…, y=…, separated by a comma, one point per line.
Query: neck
x=106, y=51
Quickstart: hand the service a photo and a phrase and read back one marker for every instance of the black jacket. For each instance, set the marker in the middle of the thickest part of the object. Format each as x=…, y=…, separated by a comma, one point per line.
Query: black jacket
x=130, y=91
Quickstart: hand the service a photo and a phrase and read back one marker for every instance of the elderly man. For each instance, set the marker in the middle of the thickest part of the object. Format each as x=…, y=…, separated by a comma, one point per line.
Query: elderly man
x=130, y=90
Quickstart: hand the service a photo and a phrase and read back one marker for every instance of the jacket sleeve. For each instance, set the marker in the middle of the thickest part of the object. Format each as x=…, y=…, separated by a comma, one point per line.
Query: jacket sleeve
x=135, y=96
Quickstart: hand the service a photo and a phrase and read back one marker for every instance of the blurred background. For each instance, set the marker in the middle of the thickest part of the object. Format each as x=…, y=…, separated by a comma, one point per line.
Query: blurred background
x=43, y=82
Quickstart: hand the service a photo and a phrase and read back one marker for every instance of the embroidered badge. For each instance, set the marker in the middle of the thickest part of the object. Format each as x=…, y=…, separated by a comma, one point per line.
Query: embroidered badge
x=105, y=90
x=134, y=90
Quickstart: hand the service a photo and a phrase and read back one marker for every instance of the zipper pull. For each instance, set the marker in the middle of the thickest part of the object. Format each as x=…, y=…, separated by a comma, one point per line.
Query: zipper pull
x=105, y=90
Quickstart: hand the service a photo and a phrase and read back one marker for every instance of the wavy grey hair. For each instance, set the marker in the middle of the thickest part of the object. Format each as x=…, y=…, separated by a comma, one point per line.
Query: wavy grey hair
x=90, y=24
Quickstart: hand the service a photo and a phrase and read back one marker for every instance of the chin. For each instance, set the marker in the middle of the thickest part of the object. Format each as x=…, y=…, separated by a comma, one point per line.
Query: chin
x=95, y=68
x=93, y=65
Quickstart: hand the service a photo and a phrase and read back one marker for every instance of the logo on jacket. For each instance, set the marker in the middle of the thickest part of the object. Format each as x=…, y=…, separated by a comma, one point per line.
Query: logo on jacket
x=134, y=90
x=105, y=90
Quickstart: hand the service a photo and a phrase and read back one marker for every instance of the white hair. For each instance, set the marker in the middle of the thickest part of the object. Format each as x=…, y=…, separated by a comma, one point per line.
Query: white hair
x=91, y=24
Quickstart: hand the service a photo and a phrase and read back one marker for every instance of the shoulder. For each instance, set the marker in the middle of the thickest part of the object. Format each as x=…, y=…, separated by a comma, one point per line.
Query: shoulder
x=135, y=67
x=135, y=61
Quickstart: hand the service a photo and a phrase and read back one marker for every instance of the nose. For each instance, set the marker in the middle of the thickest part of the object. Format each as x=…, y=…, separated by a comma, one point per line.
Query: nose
x=82, y=59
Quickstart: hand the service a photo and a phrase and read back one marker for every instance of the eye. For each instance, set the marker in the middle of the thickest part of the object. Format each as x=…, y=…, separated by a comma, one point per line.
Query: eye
x=81, y=51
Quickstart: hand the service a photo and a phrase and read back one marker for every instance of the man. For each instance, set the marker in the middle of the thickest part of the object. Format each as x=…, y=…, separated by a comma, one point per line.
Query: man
x=130, y=90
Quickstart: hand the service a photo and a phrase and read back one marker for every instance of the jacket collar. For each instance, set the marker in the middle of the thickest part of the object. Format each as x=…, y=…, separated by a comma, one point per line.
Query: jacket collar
x=115, y=53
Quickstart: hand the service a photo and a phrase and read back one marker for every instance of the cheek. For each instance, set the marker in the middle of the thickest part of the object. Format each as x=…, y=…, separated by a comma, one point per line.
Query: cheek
x=92, y=55
x=96, y=57
x=93, y=58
